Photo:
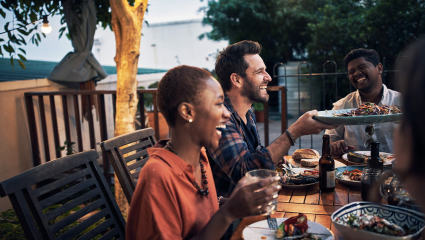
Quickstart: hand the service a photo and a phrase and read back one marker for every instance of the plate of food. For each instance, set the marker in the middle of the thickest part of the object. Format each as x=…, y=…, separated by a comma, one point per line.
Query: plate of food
x=367, y=113
x=298, y=177
x=349, y=175
x=361, y=157
x=297, y=227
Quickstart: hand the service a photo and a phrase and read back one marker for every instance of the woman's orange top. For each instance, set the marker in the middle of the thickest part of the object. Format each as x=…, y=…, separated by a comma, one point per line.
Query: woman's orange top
x=165, y=204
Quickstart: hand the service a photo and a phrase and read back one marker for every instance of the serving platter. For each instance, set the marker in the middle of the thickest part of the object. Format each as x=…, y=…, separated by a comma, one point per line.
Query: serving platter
x=328, y=117
x=387, y=158
x=261, y=230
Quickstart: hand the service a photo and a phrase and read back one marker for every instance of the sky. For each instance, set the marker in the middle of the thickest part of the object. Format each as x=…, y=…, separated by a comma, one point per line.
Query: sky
x=53, y=49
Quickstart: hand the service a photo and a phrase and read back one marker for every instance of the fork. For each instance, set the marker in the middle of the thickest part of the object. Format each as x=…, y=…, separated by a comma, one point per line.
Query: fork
x=272, y=223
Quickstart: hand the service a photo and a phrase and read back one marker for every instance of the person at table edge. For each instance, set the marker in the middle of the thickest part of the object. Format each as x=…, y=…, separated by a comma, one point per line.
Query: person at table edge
x=243, y=77
x=364, y=71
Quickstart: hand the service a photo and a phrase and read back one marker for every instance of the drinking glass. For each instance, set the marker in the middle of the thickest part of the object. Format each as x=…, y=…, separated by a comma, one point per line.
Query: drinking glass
x=257, y=175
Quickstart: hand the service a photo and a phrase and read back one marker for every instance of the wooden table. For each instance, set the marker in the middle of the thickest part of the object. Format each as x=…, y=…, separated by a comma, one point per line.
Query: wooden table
x=317, y=206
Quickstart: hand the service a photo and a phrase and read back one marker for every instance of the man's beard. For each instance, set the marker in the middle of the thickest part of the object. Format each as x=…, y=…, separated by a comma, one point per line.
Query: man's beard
x=252, y=92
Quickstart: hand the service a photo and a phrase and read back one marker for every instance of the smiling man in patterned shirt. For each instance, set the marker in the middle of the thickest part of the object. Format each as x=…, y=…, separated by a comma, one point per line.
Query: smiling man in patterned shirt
x=243, y=77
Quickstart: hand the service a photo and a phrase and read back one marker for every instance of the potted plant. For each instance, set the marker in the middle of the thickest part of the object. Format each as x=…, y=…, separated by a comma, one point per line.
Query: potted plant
x=259, y=111
x=162, y=123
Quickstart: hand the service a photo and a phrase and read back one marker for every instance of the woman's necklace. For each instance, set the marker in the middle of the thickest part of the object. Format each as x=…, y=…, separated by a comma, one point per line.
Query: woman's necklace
x=201, y=191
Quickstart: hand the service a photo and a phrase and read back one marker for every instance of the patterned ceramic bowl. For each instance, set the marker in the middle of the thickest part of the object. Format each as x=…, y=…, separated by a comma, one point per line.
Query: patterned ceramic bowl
x=410, y=220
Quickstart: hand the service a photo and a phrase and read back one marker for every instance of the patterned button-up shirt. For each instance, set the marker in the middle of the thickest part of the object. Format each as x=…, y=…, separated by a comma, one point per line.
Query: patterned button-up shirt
x=239, y=151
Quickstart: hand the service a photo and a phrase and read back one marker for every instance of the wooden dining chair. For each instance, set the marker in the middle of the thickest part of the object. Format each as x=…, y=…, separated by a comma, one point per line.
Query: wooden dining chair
x=128, y=155
x=67, y=198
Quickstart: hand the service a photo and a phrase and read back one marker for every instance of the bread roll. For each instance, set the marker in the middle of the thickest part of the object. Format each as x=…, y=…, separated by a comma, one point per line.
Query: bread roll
x=305, y=153
x=309, y=162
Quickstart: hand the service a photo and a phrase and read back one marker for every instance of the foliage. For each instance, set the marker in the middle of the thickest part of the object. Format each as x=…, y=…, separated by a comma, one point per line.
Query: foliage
x=10, y=227
x=279, y=25
x=385, y=25
x=318, y=30
x=258, y=106
x=26, y=19
x=68, y=146
x=148, y=98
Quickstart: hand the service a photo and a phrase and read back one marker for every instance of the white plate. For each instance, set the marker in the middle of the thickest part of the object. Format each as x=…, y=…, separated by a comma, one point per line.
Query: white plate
x=261, y=230
x=328, y=116
x=387, y=158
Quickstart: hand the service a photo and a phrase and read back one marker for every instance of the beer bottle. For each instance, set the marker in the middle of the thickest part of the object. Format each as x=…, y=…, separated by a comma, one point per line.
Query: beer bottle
x=326, y=167
x=371, y=174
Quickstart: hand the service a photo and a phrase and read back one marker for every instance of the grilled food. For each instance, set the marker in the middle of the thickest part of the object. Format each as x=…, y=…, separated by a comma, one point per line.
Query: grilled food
x=371, y=109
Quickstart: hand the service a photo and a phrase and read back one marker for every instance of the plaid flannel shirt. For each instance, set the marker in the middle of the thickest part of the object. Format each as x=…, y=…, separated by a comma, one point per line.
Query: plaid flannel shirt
x=239, y=151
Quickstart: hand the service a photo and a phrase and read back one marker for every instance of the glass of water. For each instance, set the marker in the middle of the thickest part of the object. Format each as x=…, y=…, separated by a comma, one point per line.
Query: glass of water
x=257, y=175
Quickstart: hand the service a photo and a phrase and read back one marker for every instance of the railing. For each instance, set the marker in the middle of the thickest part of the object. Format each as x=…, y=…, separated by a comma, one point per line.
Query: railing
x=56, y=117
x=283, y=111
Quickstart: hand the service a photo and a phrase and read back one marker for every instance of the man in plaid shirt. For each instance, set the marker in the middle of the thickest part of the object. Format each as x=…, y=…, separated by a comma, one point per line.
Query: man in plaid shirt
x=243, y=77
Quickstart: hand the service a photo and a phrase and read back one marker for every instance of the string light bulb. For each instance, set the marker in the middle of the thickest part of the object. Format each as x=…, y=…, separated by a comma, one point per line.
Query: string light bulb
x=45, y=27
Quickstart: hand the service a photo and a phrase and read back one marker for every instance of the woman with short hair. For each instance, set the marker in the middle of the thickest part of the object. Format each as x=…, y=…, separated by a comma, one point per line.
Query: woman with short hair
x=175, y=197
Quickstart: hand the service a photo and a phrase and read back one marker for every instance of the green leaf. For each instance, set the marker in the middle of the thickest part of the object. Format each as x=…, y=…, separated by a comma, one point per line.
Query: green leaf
x=22, y=50
x=22, y=57
x=33, y=17
x=22, y=31
x=2, y=13
x=21, y=64
x=11, y=61
x=8, y=49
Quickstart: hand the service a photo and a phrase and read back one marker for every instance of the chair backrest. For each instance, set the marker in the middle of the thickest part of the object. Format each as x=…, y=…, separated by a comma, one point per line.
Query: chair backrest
x=67, y=198
x=127, y=154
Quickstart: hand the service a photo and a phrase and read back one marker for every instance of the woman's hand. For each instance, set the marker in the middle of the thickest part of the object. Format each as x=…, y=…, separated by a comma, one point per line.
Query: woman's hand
x=250, y=199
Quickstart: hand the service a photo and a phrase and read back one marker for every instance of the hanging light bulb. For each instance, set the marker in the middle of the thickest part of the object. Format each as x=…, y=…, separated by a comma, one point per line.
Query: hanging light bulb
x=45, y=27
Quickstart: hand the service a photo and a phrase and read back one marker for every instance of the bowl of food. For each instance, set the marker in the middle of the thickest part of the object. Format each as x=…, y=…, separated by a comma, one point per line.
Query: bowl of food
x=366, y=220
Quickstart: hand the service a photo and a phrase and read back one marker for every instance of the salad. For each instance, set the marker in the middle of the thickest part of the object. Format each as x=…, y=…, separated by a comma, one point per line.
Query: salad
x=292, y=226
x=374, y=224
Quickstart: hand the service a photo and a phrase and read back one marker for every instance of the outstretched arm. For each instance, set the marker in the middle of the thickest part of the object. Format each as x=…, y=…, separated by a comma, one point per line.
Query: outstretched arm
x=304, y=125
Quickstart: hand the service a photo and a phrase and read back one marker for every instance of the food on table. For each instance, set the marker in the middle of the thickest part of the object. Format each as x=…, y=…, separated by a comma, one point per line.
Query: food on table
x=370, y=109
x=363, y=158
x=354, y=175
x=292, y=226
x=305, y=177
x=309, y=162
x=311, y=173
x=356, y=157
x=305, y=153
x=374, y=224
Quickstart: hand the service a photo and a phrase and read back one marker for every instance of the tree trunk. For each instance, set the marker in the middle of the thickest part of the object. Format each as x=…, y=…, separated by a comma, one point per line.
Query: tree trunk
x=127, y=24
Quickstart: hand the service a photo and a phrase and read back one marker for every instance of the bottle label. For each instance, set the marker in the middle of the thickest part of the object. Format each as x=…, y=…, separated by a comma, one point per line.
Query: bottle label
x=330, y=179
